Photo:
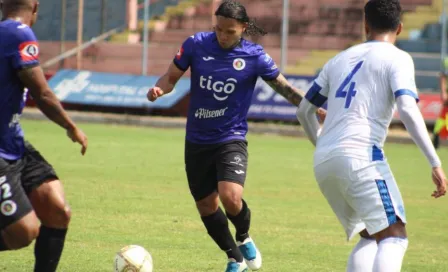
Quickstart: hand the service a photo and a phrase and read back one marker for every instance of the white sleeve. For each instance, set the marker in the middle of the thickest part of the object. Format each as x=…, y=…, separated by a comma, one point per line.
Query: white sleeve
x=413, y=120
x=402, y=76
x=306, y=114
x=315, y=98
x=318, y=93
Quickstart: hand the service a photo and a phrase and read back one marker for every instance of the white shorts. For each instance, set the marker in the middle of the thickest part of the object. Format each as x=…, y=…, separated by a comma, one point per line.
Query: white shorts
x=362, y=194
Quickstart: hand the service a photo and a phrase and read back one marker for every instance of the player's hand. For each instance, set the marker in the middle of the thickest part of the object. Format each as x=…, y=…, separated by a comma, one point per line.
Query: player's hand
x=322, y=114
x=439, y=179
x=77, y=136
x=154, y=93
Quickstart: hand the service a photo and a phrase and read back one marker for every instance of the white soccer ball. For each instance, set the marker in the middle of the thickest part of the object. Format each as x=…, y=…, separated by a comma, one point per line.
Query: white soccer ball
x=133, y=258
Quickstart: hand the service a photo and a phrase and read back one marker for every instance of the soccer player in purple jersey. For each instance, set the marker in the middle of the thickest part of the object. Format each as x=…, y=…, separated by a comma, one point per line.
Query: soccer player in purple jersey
x=32, y=202
x=224, y=70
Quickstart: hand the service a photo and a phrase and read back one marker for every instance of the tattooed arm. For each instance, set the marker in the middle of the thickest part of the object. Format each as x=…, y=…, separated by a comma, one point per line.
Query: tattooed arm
x=34, y=79
x=292, y=94
x=283, y=87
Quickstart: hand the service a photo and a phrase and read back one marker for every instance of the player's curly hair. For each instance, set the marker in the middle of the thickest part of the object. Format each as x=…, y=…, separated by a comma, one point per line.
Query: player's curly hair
x=383, y=15
x=235, y=10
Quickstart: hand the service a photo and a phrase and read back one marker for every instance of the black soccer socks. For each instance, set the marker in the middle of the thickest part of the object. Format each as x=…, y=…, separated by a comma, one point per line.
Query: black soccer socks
x=241, y=222
x=48, y=249
x=218, y=228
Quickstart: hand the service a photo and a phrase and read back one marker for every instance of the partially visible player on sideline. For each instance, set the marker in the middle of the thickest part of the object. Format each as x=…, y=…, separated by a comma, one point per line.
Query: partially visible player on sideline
x=224, y=70
x=362, y=85
x=30, y=189
x=441, y=125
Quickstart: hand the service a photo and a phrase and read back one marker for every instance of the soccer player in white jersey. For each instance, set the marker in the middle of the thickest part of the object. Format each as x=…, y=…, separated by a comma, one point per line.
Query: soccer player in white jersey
x=362, y=86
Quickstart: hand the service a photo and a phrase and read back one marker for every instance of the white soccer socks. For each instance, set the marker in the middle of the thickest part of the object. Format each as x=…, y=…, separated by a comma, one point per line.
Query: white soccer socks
x=390, y=254
x=363, y=255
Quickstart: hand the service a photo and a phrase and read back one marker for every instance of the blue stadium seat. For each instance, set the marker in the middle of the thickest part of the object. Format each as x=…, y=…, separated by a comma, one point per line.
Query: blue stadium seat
x=50, y=16
x=419, y=46
x=49, y=20
x=427, y=82
x=427, y=63
x=432, y=32
x=158, y=8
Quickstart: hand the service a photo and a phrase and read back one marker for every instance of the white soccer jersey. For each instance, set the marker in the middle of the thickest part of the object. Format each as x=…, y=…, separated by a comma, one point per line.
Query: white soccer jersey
x=361, y=84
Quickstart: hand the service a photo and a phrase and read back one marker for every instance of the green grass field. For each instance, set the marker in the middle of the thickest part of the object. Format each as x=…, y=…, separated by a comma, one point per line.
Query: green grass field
x=131, y=188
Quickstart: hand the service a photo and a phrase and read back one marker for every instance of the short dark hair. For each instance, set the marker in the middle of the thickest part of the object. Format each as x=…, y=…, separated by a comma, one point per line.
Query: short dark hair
x=17, y=5
x=235, y=10
x=383, y=15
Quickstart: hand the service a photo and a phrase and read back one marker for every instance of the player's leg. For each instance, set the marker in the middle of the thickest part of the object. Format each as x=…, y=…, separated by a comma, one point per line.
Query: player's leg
x=363, y=254
x=392, y=246
x=201, y=173
x=237, y=210
x=19, y=225
x=21, y=233
x=216, y=223
x=46, y=194
x=239, y=214
x=333, y=179
x=52, y=210
x=380, y=205
x=232, y=161
x=392, y=241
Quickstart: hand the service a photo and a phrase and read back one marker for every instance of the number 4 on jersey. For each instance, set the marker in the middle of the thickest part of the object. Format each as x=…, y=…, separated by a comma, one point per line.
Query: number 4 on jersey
x=348, y=95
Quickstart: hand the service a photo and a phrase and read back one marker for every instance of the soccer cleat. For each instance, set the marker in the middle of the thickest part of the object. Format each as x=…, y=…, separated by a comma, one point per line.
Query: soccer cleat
x=234, y=266
x=251, y=254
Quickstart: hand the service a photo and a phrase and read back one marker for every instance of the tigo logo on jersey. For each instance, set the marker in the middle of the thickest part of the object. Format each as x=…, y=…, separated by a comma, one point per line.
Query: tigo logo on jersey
x=207, y=114
x=29, y=51
x=218, y=87
x=179, y=53
x=239, y=64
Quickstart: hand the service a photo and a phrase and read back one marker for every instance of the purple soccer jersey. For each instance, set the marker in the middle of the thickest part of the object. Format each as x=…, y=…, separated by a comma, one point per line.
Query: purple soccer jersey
x=222, y=84
x=18, y=50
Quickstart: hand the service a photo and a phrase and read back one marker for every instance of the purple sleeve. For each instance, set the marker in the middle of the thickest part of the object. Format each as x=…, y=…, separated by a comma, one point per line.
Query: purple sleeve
x=25, y=49
x=267, y=69
x=184, y=55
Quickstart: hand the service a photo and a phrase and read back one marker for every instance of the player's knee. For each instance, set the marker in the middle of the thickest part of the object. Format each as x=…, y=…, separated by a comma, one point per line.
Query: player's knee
x=59, y=217
x=206, y=210
x=64, y=214
x=50, y=205
x=208, y=205
x=231, y=200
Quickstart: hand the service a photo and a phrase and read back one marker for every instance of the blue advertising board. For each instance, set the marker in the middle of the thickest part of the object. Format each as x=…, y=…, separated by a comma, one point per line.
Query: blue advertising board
x=121, y=90
x=116, y=90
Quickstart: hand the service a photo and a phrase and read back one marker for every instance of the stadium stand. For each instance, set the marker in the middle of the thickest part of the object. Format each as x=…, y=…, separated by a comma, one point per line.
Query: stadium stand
x=318, y=30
